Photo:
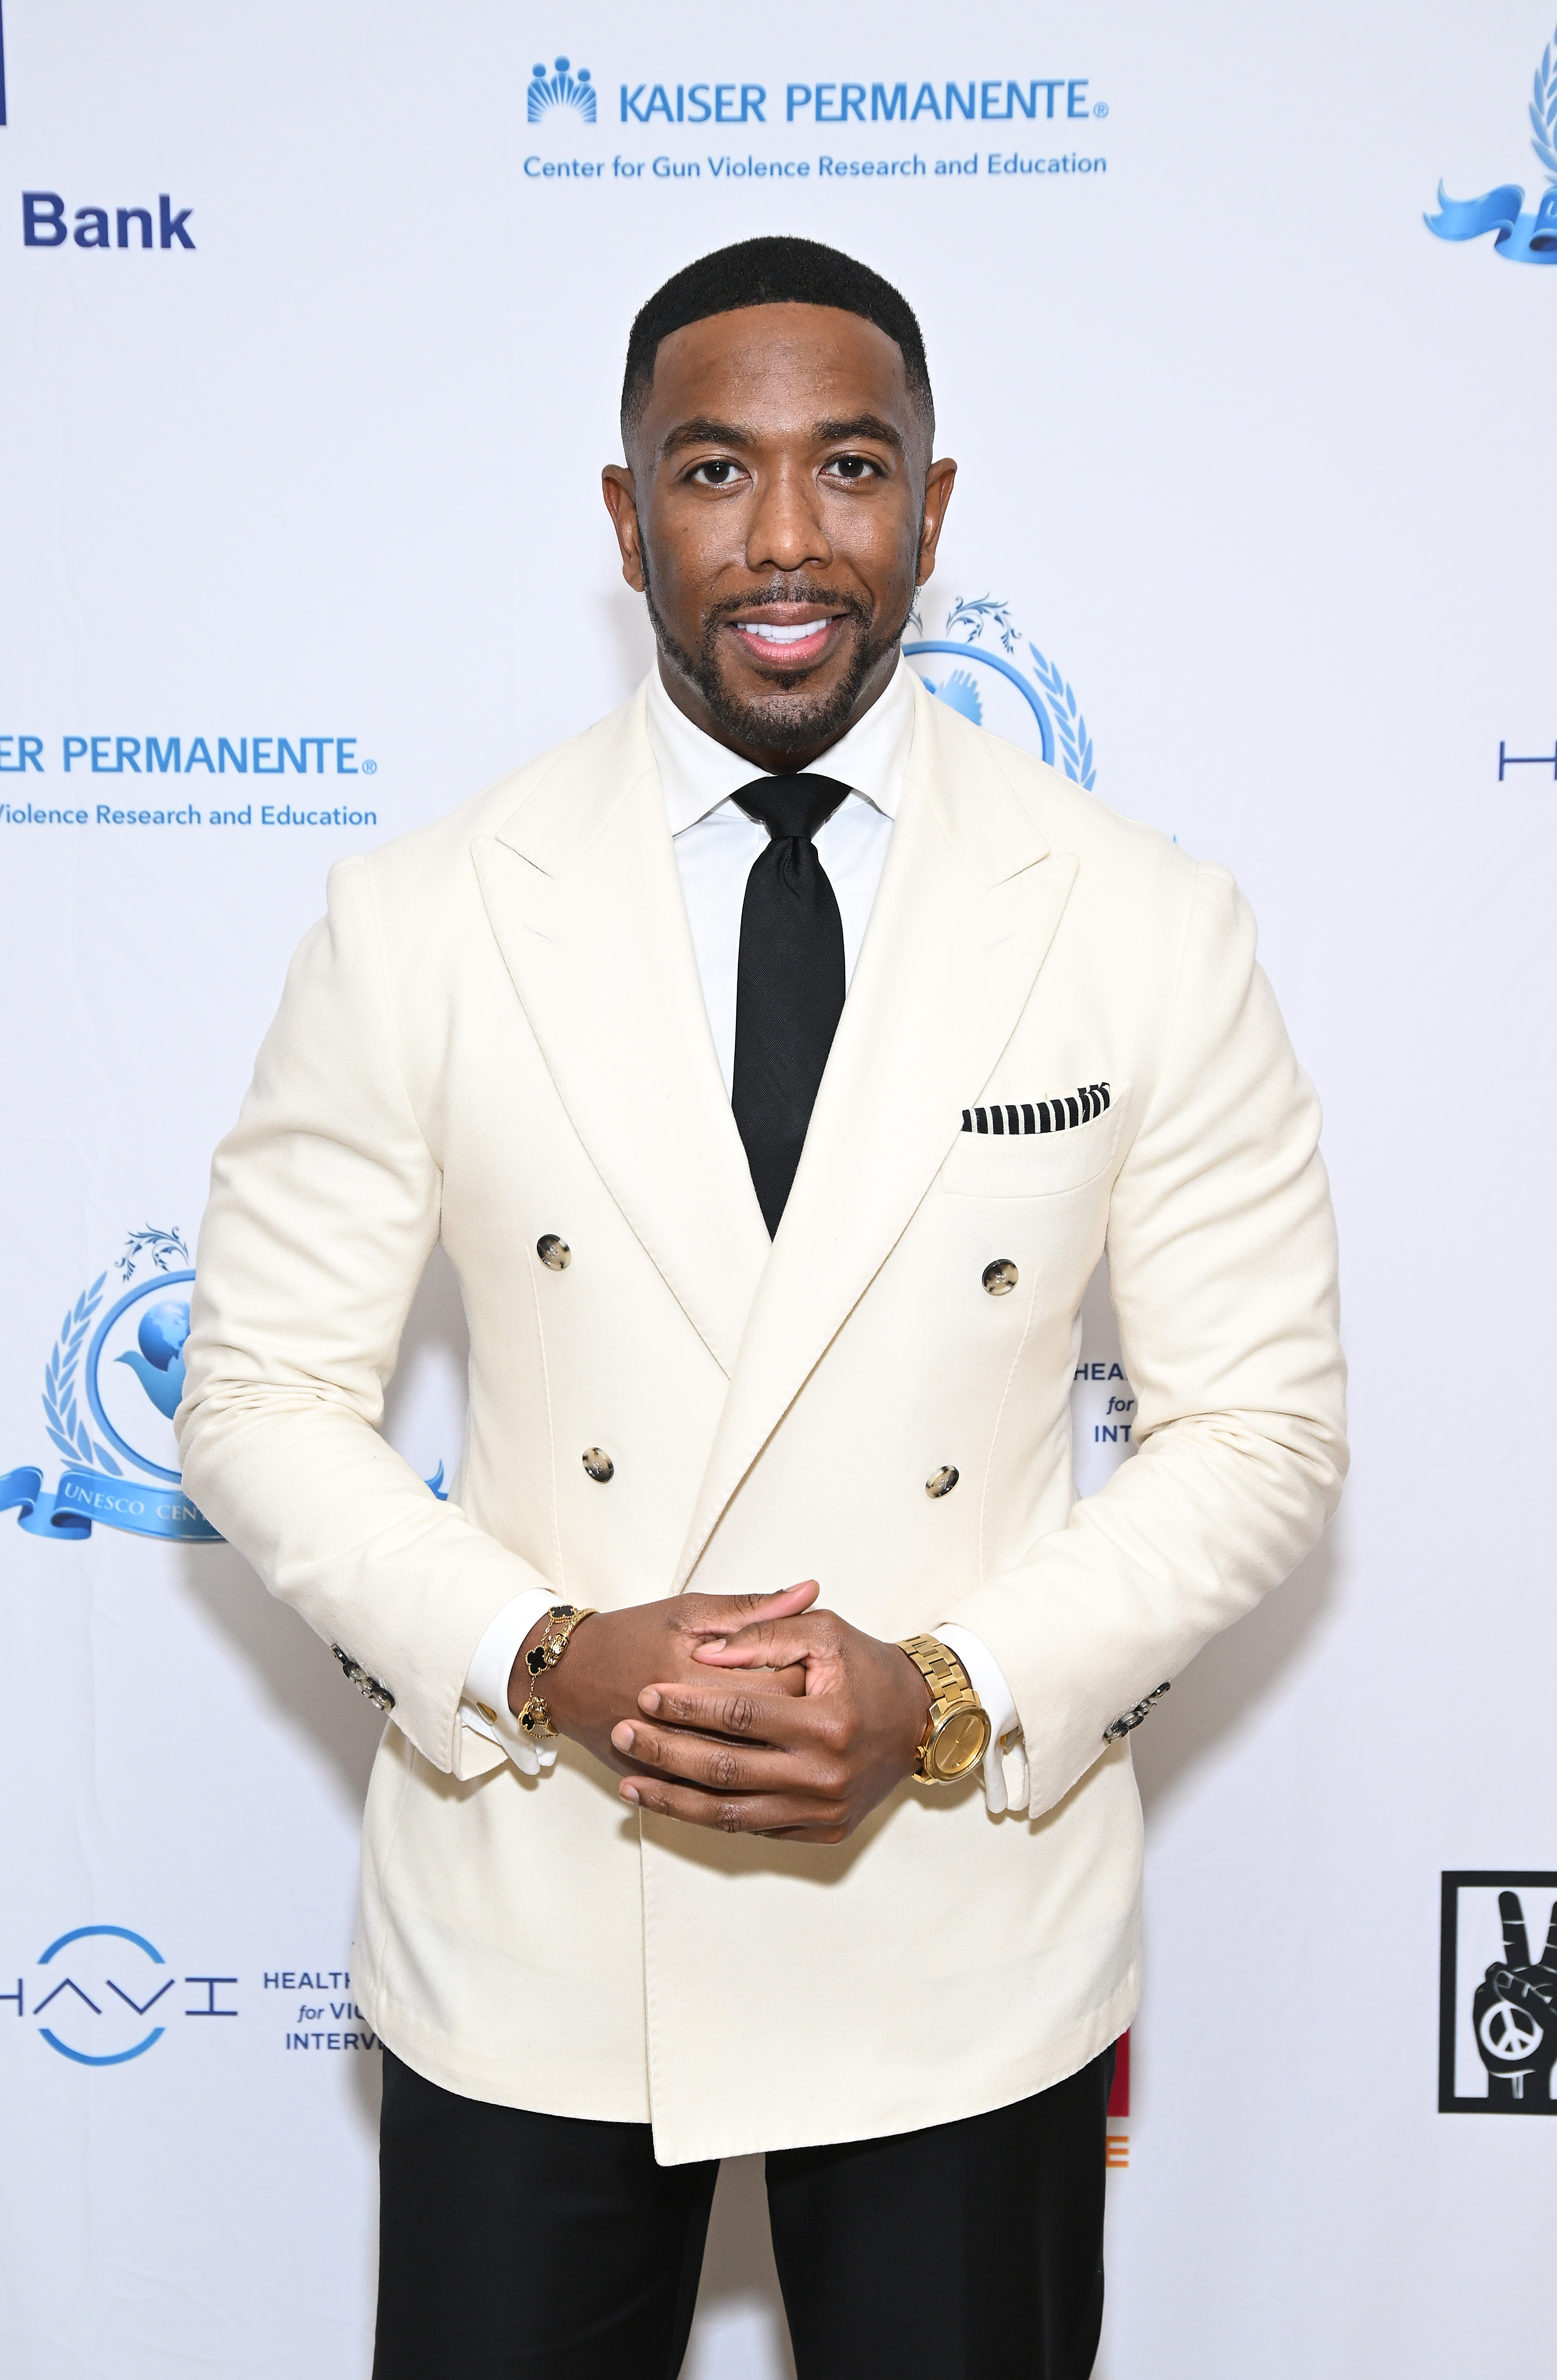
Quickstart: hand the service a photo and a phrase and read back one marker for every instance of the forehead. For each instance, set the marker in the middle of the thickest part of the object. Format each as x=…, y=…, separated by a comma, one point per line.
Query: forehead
x=782, y=365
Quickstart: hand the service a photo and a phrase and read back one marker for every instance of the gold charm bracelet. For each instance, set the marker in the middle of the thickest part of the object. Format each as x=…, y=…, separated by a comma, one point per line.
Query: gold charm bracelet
x=561, y=1620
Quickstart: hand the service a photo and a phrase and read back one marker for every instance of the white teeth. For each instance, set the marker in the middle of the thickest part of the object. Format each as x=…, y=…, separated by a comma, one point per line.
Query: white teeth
x=773, y=636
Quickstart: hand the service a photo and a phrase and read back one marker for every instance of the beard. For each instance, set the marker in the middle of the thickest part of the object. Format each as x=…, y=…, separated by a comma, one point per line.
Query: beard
x=789, y=719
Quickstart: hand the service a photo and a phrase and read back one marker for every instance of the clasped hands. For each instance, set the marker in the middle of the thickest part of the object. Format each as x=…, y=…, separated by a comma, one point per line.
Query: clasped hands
x=762, y=1715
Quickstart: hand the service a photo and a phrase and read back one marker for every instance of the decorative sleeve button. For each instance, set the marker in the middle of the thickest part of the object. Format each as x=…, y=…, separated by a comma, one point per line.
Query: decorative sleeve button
x=598, y=1463
x=1132, y=1718
x=364, y=1680
x=554, y=1252
x=941, y=1482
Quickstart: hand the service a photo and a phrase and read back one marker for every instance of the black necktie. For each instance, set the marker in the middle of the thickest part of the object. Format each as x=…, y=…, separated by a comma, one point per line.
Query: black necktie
x=789, y=984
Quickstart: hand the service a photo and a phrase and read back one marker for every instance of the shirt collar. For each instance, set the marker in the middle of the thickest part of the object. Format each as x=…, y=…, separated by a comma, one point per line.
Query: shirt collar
x=698, y=774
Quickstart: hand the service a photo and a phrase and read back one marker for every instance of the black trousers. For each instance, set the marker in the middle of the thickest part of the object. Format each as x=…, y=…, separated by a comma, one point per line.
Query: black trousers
x=523, y=2247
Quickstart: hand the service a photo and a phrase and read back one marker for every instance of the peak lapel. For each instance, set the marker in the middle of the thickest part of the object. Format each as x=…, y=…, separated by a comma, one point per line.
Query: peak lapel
x=581, y=888
x=970, y=901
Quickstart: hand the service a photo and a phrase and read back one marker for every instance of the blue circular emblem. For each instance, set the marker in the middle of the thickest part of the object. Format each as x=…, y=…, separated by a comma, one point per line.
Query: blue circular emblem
x=145, y=1333
x=87, y=2007
x=1003, y=682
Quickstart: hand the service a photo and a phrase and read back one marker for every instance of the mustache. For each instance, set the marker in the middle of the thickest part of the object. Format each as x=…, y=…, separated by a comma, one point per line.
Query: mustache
x=790, y=590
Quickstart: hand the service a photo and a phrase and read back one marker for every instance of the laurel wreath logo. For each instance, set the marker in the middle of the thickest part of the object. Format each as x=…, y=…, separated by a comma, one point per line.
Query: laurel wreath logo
x=980, y=612
x=1543, y=111
x=1076, y=745
x=70, y=1434
x=64, y=1423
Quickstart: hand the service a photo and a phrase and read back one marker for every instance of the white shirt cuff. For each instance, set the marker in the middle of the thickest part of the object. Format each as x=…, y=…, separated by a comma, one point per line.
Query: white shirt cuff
x=1005, y=1773
x=484, y=1705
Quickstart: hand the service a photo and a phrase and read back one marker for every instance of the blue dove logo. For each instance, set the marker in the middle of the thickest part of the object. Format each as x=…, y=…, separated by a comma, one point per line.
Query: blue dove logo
x=158, y=1360
x=117, y=1441
x=561, y=89
x=960, y=690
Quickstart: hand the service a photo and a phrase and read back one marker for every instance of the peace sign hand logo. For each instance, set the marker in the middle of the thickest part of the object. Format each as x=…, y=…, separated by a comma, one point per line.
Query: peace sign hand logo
x=1515, y=2013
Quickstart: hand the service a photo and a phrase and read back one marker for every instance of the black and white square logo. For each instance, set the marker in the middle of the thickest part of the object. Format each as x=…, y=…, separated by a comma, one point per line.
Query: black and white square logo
x=1497, y=2005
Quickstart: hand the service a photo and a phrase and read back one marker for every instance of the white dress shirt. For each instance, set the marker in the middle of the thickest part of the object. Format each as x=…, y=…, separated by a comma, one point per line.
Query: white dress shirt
x=715, y=844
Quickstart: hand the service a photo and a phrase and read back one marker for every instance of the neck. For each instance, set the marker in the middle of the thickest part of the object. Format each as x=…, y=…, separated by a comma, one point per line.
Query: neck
x=774, y=760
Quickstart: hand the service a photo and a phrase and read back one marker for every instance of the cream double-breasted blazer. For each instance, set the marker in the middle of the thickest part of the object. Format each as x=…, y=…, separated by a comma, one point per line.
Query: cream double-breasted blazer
x=498, y=1032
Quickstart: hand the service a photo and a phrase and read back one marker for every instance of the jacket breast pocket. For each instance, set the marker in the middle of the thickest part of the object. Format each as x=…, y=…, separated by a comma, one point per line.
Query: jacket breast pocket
x=1034, y=1164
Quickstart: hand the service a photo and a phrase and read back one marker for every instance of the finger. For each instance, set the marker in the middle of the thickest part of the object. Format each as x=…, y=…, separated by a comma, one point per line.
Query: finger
x=793, y=1815
x=715, y=1761
x=788, y=1682
x=1515, y=1941
x=722, y=1615
x=777, y=1719
x=771, y=1643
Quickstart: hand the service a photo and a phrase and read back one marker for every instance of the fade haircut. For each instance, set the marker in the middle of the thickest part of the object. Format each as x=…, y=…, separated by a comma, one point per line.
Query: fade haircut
x=773, y=271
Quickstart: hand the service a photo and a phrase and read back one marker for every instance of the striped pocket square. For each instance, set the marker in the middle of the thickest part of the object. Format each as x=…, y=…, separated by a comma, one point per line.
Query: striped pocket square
x=1083, y=1105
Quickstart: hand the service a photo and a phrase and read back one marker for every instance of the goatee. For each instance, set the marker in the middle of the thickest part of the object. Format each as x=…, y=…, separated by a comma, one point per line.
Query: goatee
x=788, y=721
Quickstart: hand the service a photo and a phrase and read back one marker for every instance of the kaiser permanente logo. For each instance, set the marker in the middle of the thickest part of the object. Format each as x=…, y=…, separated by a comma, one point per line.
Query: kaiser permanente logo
x=860, y=115
x=997, y=100
x=562, y=88
x=150, y=760
x=567, y=95
x=1522, y=238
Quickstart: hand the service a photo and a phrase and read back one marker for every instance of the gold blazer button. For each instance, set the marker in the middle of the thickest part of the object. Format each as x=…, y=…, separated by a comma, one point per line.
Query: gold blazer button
x=999, y=1278
x=941, y=1482
x=554, y=1252
x=598, y=1463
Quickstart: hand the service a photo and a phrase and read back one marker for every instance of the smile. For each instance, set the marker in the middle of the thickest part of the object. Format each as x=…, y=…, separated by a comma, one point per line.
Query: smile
x=788, y=641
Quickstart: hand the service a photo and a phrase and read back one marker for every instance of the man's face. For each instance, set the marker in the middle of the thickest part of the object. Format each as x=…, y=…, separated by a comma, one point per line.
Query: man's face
x=780, y=509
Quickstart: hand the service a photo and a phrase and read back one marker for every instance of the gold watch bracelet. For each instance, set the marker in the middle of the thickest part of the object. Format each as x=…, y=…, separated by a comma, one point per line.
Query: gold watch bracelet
x=952, y=1698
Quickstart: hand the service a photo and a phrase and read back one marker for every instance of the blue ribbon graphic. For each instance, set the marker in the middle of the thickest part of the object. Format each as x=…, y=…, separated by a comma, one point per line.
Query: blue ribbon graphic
x=1522, y=239
x=83, y=1497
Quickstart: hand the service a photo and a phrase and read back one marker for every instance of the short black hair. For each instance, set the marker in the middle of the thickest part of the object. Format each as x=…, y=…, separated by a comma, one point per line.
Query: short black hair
x=771, y=271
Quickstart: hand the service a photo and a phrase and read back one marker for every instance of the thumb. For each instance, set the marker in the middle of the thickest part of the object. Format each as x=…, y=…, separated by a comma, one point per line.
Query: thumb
x=722, y=1615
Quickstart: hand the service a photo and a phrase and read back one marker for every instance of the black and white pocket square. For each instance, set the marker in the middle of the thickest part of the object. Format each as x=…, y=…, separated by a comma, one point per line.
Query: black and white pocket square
x=1067, y=1114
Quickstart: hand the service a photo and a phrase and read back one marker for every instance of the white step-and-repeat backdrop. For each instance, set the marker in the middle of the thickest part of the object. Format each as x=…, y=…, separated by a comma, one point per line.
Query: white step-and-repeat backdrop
x=1242, y=325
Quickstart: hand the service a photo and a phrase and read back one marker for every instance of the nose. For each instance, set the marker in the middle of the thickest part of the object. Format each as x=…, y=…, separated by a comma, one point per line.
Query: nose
x=784, y=529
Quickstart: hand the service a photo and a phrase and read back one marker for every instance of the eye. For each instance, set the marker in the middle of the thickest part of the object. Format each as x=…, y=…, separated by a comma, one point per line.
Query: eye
x=854, y=467
x=718, y=472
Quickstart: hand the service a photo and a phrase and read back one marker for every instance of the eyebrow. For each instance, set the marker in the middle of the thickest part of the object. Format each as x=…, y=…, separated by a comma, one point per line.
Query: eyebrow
x=701, y=430
x=859, y=425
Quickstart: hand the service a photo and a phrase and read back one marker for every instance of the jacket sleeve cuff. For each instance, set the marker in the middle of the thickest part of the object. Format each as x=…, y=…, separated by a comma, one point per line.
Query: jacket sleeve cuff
x=1005, y=1773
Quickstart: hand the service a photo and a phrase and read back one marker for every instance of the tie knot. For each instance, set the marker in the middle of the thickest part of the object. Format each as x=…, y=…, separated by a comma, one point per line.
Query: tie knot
x=791, y=806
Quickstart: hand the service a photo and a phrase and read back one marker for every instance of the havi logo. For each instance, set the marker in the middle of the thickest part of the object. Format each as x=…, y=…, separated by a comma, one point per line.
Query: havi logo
x=562, y=88
x=91, y=1998
x=1522, y=238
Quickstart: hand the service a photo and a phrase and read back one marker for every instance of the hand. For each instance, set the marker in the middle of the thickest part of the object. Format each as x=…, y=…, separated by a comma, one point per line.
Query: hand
x=1515, y=2013
x=612, y=1655
x=747, y=1763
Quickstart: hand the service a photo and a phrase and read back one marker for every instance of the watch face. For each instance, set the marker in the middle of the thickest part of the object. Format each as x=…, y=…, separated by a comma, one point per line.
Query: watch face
x=960, y=1742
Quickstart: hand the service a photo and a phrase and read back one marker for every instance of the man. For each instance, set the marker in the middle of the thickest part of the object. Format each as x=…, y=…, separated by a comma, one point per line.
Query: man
x=666, y=1857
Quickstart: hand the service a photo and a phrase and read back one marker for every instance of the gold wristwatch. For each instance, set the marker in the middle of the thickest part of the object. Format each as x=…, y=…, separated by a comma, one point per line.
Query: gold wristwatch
x=957, y=1734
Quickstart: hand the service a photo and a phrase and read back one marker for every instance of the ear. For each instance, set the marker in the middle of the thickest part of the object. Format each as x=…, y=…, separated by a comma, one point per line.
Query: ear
x=621, y=503
x=939, y=479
